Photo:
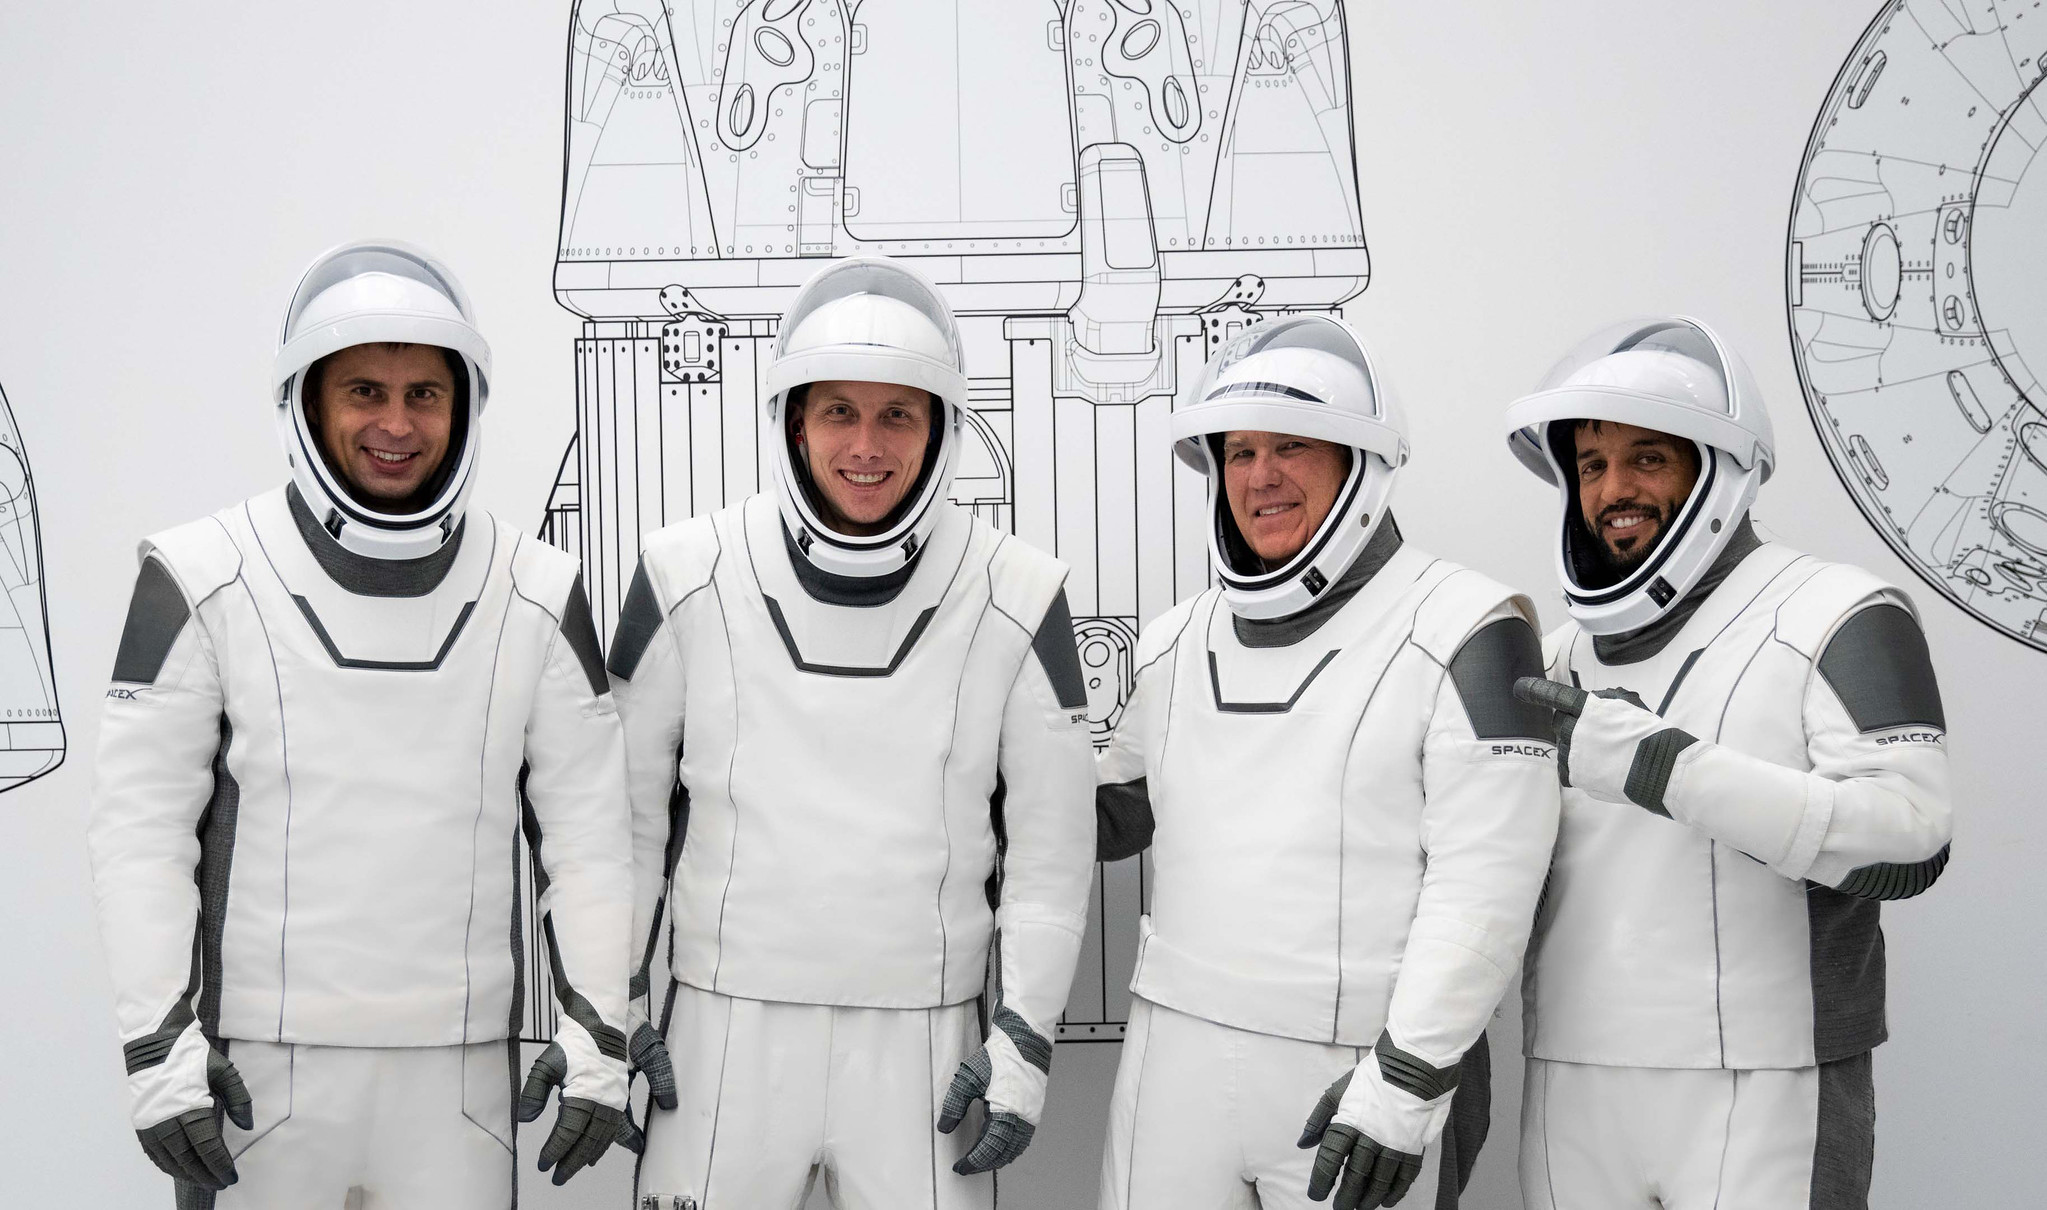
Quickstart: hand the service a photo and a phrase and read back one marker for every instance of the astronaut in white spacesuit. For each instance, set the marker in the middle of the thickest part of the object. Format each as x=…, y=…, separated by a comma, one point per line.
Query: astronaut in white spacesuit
x=333, y=707
x=1349, y=812
x=1754, y=757
x=860, y=773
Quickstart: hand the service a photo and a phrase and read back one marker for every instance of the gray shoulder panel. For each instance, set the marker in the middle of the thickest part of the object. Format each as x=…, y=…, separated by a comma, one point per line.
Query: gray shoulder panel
x=1878, y=665
x=1057, y=653
x=1485, y=669
x=638, y=621
x=157, y=614
x=581, y=633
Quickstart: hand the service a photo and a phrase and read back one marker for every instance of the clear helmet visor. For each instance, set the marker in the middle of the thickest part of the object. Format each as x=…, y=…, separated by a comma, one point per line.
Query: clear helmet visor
x=1674, y=375
x=905, y=326
x=386, y=257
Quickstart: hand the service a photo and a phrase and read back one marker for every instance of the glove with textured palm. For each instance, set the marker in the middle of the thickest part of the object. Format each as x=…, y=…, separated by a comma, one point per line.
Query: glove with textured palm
x=1609, y=743
x=583, y=1128
x=1009, y=1071
x=1373, y=1125
x=181, y=1087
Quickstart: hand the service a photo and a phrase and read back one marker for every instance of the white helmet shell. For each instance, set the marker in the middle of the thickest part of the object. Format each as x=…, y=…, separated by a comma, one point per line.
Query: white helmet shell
x=1674, y=375
x=1309, y=376
x=372, y=292
x=867, y=319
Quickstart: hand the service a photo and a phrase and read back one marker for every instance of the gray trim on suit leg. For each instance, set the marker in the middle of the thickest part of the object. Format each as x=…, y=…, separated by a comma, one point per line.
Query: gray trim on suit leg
x=1844, y=1146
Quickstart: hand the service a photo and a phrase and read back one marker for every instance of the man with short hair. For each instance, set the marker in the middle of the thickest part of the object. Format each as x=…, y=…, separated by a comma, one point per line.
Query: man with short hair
x=1753, y=753
x=1348, y=811
x=859, y=765
x=334, y=707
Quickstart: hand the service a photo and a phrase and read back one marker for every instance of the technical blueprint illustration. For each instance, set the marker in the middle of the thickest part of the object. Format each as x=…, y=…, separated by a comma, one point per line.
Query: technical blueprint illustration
x=31, y=729
x=1918, y=295
x=1104, y=190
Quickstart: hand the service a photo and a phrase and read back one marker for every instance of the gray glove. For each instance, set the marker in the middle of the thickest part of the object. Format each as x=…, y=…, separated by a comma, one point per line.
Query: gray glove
x=649, y=1057
x=188, y=1146
x=1373, y=1174
x=1004, y=1135
x=582, y=1129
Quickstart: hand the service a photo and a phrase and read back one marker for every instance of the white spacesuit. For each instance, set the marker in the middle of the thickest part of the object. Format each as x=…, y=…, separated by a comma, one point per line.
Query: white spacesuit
x=326, y=726
x=1755, y=756
x=1349, y=814
x=859, y=771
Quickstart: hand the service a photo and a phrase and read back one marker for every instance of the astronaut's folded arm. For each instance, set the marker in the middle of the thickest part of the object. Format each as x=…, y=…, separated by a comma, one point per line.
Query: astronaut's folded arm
x=1047, y=764
x=1872, y=817
x=1489, y=821
x=157, y=741
x=647, y=681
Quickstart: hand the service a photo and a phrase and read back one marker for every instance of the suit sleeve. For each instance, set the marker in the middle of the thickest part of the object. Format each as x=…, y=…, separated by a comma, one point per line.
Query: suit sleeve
x=1123, y=815
x=576, y=825
x=159, y=734
x=647, y=679
x=1872, y=817
x=1489, y=821
x=1047, y=770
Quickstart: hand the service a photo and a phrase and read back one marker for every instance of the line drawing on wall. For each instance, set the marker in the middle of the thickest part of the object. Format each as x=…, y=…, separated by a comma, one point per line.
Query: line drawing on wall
x=31, y=723
x=1104, y=190
x=1917, y=281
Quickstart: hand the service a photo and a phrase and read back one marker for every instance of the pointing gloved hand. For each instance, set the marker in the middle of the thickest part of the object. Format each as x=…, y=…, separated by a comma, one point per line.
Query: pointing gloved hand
x=649, y=1057
x=1373, y=1126
x=583, y=1128
x=1626, y=753
x=1009, y=1071
x=187, y=1143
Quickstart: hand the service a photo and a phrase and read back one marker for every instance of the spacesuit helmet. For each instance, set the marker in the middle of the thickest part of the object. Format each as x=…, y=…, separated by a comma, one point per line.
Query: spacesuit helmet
x=866, y=319
x=1310, y=376
x=1674, y=375
x=370, y=292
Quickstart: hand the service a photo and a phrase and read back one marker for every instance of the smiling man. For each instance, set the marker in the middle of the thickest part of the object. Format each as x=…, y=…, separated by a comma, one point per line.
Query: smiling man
x=1631, y=482
x=1349, y=813
x=384, y=414
x=859, y=765
x=1753, y=753
x=333, y=709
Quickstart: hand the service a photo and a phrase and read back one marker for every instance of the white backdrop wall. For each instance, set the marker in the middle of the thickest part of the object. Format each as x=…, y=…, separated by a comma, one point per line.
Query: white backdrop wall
x=1529, y=172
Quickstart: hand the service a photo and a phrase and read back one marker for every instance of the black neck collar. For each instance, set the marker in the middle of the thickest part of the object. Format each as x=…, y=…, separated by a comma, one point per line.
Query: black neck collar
x=1284, y=632
x=367, y=577
x=1634, y=646
x=860, y=592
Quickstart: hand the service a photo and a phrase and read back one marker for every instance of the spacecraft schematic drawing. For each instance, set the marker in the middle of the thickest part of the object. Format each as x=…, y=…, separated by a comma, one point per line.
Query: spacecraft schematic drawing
x=31, y=726
x=1104, y=190
x=1917, y=281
